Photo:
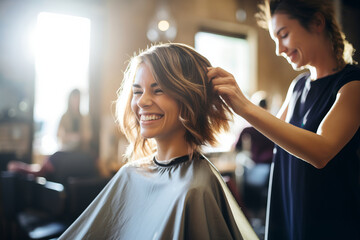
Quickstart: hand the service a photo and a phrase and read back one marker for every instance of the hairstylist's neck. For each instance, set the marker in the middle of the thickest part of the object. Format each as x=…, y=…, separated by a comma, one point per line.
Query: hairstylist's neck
x=324, y=63
x=323, y=71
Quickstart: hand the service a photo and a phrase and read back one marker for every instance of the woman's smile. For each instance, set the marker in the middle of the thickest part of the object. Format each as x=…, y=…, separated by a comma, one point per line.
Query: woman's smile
x=149, y=118
x=292, y=57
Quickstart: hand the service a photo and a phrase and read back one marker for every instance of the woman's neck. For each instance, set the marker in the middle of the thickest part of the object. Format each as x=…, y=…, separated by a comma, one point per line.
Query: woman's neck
x=316, y=73
x=325, y=63
x=177, y=147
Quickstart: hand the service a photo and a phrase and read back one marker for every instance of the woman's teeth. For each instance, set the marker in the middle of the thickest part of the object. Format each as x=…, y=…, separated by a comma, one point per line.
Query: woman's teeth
x=149, y=117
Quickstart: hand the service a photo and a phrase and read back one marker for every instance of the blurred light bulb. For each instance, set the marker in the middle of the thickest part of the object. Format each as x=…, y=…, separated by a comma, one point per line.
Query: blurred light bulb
x=163, y=25
x=241, y=15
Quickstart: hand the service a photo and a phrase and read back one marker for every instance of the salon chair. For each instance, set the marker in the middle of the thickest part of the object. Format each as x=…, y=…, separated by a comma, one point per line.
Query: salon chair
x=33, y=206
x=37, y=209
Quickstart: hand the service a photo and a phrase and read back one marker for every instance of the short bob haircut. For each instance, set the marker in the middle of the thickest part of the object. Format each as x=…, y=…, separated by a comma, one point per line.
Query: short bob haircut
x=181, y=73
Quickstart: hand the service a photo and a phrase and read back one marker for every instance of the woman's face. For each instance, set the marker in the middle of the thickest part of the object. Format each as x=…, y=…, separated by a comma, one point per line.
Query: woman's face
x=157, y=113
x=292, y=40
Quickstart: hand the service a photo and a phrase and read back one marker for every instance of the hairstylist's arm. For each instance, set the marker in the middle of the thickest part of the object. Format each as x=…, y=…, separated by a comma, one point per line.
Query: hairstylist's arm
x=336, y=129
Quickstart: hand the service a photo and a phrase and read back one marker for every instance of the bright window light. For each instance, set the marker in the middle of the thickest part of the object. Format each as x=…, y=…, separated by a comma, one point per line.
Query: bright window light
x=229, y=53
x=233, y=55
x=61, y=45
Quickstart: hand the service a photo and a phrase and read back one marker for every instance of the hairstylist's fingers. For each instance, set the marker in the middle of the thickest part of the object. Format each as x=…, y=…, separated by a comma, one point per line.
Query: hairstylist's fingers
x=227, y=80
x=214, y=72
x=210, y=74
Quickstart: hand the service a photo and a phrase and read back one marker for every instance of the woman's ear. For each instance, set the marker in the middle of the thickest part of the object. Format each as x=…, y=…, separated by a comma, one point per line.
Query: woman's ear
x=318, y=23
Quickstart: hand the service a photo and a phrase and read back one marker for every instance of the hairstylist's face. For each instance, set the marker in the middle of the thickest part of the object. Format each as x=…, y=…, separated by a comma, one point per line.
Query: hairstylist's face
x=157, y=113
x=292, y=40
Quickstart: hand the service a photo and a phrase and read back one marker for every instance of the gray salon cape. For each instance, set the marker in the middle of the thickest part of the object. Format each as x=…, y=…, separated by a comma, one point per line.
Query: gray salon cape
x=146, y=199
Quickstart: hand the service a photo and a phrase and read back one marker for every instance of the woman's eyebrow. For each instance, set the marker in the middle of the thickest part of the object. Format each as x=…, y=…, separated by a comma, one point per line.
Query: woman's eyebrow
x=155, y=84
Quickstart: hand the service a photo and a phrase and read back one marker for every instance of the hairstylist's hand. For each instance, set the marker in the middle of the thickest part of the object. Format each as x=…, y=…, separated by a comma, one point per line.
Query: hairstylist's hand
x=226, y=86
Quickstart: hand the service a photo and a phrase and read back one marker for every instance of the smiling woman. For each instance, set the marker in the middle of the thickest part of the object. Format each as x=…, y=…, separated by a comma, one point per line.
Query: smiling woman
x=169, y=190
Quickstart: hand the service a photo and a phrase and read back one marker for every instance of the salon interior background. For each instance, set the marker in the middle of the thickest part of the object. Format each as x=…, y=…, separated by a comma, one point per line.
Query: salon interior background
x=109, y=32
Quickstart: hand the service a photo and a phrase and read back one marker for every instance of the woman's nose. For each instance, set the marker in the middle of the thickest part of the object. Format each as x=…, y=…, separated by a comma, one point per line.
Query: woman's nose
x=144, y=100
x=280, y=48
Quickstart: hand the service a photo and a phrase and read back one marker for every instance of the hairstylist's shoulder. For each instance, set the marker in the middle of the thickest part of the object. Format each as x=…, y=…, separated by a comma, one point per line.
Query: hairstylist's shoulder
x=352, y=72
x=343, y=119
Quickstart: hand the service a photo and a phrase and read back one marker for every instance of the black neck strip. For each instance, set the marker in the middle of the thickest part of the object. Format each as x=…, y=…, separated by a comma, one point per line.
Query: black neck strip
x=173, y=162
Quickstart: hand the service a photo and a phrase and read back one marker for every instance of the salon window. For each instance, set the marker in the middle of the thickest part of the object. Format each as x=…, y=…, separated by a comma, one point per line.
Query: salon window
x=61, y=45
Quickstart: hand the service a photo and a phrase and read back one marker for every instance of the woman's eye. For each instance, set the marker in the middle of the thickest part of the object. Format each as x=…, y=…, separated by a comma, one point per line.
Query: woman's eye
x=137, y=92
x=158, y=90
x=285, y=35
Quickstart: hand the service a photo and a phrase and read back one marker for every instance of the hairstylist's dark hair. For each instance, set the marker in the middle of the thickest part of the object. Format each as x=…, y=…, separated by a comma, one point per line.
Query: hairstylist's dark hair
x=181, y=73
x=305, y=11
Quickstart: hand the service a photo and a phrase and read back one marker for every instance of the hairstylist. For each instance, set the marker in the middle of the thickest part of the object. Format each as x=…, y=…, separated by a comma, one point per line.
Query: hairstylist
x=314, y=186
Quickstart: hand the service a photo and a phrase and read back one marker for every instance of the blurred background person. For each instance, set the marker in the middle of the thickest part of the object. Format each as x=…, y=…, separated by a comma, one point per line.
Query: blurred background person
x=74, y=132
x=74, y=157
x=250, y=139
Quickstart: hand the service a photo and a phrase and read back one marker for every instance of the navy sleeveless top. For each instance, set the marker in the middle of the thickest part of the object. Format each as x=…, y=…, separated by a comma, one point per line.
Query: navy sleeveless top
x=309, y=203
